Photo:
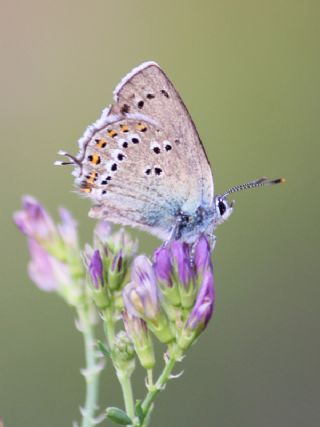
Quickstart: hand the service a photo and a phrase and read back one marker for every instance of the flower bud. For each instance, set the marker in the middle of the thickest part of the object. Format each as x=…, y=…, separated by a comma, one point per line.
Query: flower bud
x=181, y=261
x=138, y=332
x=51, y=274
x=202, y=255
x=118, y=416
x=184, y=273
x=141, y=295
x=141, y=299
x=116, y=271
x=201, y=312
x=169, y=287
x=162, y=266
x=99, y=292
x=96, y=270
x=34, y=221
x=44, y=270
x=123, y=353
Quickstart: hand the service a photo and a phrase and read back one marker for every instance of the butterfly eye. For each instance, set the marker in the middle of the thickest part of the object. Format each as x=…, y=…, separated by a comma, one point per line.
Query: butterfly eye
x=222, y=207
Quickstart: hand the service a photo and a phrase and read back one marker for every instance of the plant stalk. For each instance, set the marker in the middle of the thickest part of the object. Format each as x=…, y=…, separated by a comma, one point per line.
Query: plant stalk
x=92, y=369
x=126, y=387
x=123, y=376
x=159, y=385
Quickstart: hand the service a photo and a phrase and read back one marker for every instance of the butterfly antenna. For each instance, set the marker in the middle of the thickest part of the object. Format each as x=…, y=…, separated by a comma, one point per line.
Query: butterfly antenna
x=252, y=184
x=73, y=159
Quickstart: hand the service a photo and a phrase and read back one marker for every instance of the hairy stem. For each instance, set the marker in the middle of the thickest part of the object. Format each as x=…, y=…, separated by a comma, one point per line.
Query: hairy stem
x=159, y=385
x=109, y=327
x=123, y=376
x=92, y=369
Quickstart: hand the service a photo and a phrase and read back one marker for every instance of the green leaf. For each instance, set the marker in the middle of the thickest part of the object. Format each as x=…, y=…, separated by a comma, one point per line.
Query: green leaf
x=103, y=348
x=139, y=411
x=118, y=416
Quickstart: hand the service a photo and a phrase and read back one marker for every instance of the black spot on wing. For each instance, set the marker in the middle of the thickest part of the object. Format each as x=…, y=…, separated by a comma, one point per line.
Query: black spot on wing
x=125, y=109
x=165, y=93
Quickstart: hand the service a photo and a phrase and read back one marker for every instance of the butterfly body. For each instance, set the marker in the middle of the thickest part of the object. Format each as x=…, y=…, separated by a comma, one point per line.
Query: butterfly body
x=143, y=164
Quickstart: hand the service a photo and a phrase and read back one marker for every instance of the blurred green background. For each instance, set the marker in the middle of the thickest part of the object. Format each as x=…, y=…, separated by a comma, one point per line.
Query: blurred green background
x=249, y=74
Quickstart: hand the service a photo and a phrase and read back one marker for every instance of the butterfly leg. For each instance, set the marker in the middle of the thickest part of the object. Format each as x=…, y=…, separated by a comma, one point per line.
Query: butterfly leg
x=212, y=241
x=174, y=234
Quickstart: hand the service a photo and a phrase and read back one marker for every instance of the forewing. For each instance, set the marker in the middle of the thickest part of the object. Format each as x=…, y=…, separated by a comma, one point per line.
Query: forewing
x=148, y=90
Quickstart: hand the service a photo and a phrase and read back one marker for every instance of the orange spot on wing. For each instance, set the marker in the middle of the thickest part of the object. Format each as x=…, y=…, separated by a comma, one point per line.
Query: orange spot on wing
x=101, y=143
x=124, y=128
x=112, y=133
x=141, y=127
x=95, y=159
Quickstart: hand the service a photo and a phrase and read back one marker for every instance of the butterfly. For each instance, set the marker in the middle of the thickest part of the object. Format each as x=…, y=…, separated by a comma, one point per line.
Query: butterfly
x=143, y=164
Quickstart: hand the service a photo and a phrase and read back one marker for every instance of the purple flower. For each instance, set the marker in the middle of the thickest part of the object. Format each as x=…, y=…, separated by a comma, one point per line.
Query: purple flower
x=140, y=296
x=181, y=259
x=202, y=254
x=117, y=271
x=44, y=270
x=96, y=269
x=34, y=221
x=162, y=266
x=141, y=299
x=117, y=263
x=203, y=308
x=68, y=228
x=169, y=286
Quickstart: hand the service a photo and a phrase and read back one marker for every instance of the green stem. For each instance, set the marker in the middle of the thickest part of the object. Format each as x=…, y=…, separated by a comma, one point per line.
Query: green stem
x=126, y=387
x=161, y=382
x=123, y=376
x=109, y=327
x=92, y=370
x=150, y=378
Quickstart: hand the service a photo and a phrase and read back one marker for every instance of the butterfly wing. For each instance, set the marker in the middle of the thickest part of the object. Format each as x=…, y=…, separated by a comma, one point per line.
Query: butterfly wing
x=148, y=90
x=142, y=162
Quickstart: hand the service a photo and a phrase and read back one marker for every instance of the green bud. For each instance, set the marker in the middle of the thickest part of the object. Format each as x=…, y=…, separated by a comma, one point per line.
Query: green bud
x=123, y=353
x=118, y=416
x=146, y=355
x=117, y=271
x=139, y=334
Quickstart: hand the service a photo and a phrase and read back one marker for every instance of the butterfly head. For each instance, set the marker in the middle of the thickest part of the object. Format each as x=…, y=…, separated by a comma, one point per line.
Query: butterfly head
x=223, y=208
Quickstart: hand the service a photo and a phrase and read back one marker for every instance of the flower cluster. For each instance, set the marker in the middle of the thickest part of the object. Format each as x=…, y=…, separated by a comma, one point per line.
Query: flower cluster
x=108, y=263
x=55, y=264
x=170, y=298
x=173, y=296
